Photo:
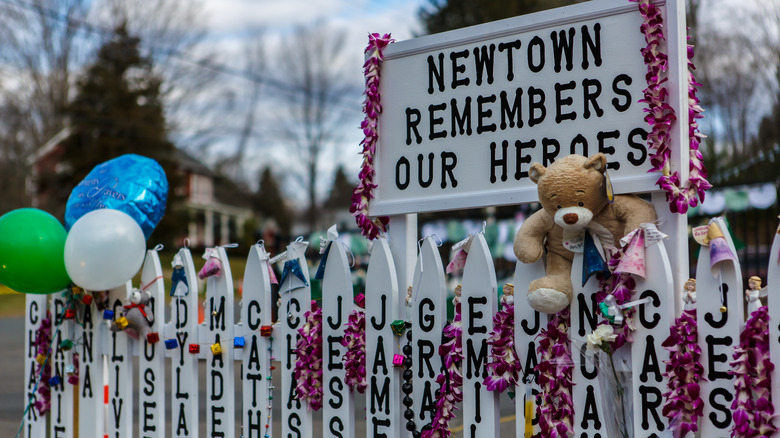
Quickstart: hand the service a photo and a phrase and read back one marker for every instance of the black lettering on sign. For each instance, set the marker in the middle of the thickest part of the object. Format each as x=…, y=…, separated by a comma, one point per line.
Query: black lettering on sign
x=536, y=65
x=334, y=354
x=336, y=427
x=87, y=338
x=712, y=358
x=256, y=379
x=608, y=151
x=650, y=363
x=335, y=325
x=149, y=425
x=254, y=355
x=179, y=394
x=724, y=316
x=592, y=45
x=149, y=380
x=536, y=102
x=31, y=347
x=217, y=314
x=382, y=311
x=587, y=313
x=448, y=162
x=484, y=62
x=420, y=166
x=425, y=357
x=521, y=159
x=377, y=424
x=116, y=386
x=428, y=405
x=33, y=312
x=476, y=360
x=513, y=112
x=435, y=73
x=591, y=90
x=477, y=402
x=651, y=406
x=507, y=47
x=530, y=330
x=579, y=139
x=289, y=351
x=58, y=430
x=181, y=423
x=253, y=323
x=474, y=315
x=293, y=395
x=590, y=410
x=181, y=314
x=117, y=409
x=548, y=156
x=336, y=386
x=531, y=360
x=86, y=390
x=459, y=119
x=632, y=158
x=216, y=385
x=253, y=428
x=115, y=357
x=588, y=374
x=485, y=113
x=217, y=357
x=149, y=351
x=498, y=162
x=379, y=357
x=561, y=47
x=380, y=396
x=722, y=407
x=216, y=421
x=434, y=121
x=293, y=422
x=402, y=162
x=458, y=68
x=561, y=101
x=626, y=79
x=411, y=125
x=426, y=321
x=182, y=338
x=88, y=318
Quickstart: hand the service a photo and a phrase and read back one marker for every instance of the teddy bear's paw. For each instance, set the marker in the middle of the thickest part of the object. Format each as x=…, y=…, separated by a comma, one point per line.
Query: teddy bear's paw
x=547, y=300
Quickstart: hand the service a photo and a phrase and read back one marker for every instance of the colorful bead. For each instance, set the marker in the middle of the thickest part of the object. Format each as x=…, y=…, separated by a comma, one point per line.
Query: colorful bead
x=360, y=300
x=86, y=299
x=216, y=349
x=170, y=344
x=153, y=338
x=40, y=359
x=398, y=360
x=108, y=314
x=194, y=348
x=70, y=369
x=70, y=314
x=398, y=326
x=239, y=342
x=121, y=322
x=266, y=330
x=54, y=381
x=66, y=344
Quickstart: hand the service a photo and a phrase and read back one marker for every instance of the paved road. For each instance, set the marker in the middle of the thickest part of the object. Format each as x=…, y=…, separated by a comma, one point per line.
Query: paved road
x=12, y=386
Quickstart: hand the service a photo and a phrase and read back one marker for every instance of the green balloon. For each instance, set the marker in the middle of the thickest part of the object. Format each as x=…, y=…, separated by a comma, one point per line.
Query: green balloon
x=32, y=248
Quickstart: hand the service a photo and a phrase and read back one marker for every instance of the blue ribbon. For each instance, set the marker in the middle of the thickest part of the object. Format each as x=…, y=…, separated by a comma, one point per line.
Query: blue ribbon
x=592, y=262
x=294, y=267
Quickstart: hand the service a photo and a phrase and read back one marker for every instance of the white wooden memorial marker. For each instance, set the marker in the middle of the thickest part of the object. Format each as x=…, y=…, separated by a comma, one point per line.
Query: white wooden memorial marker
x=151, y=361
x=34, y=314
x=120, y=370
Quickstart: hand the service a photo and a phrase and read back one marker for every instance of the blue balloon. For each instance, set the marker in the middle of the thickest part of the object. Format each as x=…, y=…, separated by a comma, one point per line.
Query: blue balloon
x=130, y=183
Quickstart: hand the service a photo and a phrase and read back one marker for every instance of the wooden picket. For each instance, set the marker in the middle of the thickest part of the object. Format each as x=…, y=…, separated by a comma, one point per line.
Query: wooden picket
x=773, y=307
x=243, y=342
x=34, y=314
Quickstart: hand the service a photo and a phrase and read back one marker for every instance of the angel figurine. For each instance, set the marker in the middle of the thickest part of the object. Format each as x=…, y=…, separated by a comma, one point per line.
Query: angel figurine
x=509, y=295
x=456, y=298
x=689, y=294
x=753, y=294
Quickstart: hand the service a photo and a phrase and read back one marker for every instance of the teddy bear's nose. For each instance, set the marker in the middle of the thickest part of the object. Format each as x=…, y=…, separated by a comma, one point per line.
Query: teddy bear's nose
x=570, y=218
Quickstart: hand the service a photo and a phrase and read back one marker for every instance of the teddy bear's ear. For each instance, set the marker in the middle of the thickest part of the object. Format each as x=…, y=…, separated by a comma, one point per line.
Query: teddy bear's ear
x=598, y=162
x=535, y=172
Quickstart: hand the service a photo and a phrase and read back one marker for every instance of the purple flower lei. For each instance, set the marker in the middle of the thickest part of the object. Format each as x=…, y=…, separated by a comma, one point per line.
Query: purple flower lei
x=73, y=379
x=504, y=367
x=43, y=347
x=554, y=372
x=622, y=286
x=752, y=408
x=684, y=371
x=308, y=364
x=362, y=194
x=660, y=116
x=450, y=381
x=355, y=357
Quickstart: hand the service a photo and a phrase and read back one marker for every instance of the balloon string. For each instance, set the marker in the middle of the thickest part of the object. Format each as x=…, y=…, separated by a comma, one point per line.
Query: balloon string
x=151, y=283
x=45, y=362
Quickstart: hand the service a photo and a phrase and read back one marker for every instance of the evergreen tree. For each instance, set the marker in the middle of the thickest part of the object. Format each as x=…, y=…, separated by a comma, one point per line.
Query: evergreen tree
x=341, y=192
x=117, y=110
x=444, y=15
x=269, y=202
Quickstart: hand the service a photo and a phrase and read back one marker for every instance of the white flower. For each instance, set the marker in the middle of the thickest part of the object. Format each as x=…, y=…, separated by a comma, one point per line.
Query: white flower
x=603, y=333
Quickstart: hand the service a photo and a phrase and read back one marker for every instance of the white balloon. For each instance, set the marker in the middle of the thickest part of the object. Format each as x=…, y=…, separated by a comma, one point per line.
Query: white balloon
x=104, y=249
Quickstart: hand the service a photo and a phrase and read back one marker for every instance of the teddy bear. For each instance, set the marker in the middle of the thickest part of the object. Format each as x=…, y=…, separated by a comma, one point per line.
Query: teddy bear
x=138, y=316
x=573, y=195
